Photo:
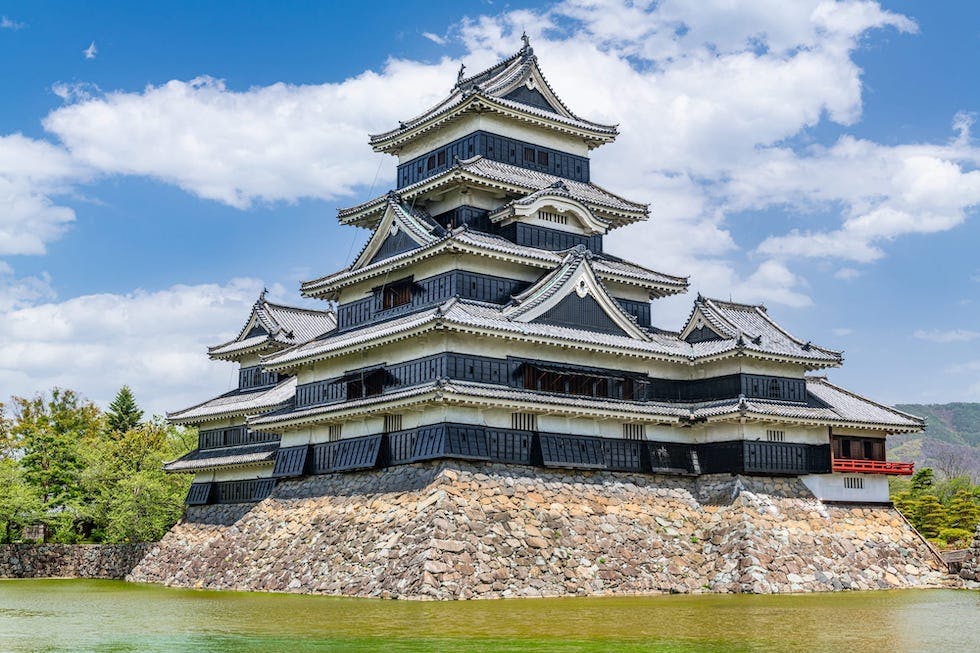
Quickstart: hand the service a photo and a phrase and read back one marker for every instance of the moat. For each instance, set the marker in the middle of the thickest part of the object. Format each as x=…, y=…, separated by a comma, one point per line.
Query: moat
x=84, y=615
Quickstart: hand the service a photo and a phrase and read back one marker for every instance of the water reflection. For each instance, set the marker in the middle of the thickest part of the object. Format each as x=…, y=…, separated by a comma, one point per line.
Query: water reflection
x=106, y=615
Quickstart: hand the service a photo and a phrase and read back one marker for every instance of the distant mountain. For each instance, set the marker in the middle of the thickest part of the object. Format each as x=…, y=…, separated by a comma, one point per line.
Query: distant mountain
x=950, y=444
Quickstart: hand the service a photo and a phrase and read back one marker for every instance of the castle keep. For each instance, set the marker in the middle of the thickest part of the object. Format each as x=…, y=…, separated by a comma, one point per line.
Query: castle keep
x=484, y=323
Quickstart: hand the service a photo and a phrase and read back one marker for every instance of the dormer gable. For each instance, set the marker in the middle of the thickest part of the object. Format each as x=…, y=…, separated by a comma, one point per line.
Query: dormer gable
x=271, y=327
x=572, y=296
x=402, y=228
x=554, y=207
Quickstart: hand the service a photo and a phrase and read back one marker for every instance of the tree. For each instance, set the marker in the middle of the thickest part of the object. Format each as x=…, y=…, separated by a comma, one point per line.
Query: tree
x=20, y=506
x=963, y=512
x=123, y=413
x=51, y=432
x=922, y=481
x=930, y=516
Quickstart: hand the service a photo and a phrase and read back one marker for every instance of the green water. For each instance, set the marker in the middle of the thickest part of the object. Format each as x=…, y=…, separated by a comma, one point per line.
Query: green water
x=80, y=615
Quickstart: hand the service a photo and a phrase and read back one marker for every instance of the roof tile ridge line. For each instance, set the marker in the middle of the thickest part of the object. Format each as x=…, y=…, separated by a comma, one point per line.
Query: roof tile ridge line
x=765, y=316
x=539, y=291
x=851, y=393
x=685, y=279
x=302, y=309
x=236, y=391
x=719, y=321
x=502, y=63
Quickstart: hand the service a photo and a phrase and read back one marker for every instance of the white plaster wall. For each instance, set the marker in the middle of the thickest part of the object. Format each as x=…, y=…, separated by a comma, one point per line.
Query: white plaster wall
x=830, y=487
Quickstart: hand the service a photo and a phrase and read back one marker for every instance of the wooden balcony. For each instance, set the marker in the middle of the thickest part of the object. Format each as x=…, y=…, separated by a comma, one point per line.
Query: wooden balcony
x=857, y=466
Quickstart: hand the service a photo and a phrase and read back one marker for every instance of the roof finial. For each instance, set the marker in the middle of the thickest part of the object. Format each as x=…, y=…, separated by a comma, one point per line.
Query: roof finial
x=459, y=75
x=262, y=294
x=526, y=49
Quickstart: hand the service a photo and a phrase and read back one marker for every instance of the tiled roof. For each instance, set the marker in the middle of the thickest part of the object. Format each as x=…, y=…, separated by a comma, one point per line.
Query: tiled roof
x=752, y=329
x=490, y=86
x=224, y=457
x=236, y=403
x=467, y=392
x=858, y=408
x=478, y=169
x=283, y=325
x=467, y=314
x=606, y=266
x=827, y=403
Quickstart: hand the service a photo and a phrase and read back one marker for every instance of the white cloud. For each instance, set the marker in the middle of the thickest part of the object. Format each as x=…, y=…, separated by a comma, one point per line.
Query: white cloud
x=31, y=172
x=153, y=341
x=11, y=24
x=952, y=335
x=91, y=51
x=279, y=142
x=843, y=331
x=435, y=38
x=847, y=274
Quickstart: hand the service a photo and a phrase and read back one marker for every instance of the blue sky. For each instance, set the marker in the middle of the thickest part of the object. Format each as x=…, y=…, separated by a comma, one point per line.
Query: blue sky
x=814, y=156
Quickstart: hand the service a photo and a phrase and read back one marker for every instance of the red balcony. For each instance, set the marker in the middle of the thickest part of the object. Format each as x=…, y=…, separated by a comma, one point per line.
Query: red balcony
x=856, y=466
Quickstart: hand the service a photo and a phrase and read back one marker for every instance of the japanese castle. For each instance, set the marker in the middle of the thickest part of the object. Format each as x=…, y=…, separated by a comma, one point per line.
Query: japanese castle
x=484, y=321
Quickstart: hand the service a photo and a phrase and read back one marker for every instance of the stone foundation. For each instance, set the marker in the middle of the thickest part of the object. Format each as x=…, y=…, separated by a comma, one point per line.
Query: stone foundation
x=454, y=530
x=971, y=564
x=70, y=560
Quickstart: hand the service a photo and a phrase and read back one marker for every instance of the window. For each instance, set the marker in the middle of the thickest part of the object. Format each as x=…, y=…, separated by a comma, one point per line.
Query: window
x=524, y=421
x=542, y=158
x=442, y=157
x=529, y=154
x=550, y=216
x=393, y=423
x=855, y=448
x=430, y=162
x=853, y=483
x=634, y=431
x=396, y=294
x=334, y=432
x=365, y=384
x=776, y=436
x=574, y=383
x=774, y=389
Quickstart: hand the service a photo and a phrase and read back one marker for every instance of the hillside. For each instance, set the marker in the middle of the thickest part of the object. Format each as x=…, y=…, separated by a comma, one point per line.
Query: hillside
x=951, y=442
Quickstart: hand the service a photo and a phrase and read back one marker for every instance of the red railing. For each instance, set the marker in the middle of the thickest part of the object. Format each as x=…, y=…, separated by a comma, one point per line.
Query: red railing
x=872, y=467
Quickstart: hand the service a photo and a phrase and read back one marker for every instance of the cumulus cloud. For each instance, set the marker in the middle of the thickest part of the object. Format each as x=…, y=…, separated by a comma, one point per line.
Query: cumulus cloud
x=947, y=336
x=32, y=172
x=280, y=142
x=153, y=341
x=11, y=24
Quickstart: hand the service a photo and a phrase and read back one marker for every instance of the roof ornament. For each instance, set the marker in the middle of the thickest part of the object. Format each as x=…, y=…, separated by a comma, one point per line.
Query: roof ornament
x=262, y=295
x=459, y=75
x=757, y=340
x=807, y=346
x=526, y=49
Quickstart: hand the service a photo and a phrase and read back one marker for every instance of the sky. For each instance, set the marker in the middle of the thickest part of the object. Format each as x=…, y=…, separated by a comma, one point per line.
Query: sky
x=161, y=163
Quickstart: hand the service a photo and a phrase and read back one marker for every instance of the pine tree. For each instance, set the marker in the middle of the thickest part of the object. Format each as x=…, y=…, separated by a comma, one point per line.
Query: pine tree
x=922, y=481
x=963, y=512
x=124, y=414
x=930, y=516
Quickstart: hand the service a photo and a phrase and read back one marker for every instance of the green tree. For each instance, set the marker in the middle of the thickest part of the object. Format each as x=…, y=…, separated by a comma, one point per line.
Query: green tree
x=963, y=512
x=50, y=433
x=20, y=506
x=930, y=515
x=922, y=481
x=123, y=413
x=132, y=498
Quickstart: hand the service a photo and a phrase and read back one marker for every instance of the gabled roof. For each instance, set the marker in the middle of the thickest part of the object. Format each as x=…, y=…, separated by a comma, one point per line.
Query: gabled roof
x=750, y=326
x=504, y=88
x=556, y=196
x=399, y=216
x=480, y=172
x=574, y=277
x=464, y=240
x=236, y=403
x=274, y=326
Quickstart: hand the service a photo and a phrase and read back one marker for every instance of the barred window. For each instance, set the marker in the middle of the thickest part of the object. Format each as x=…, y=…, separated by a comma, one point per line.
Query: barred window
x=524, y=421
x=334, y=432
x=853, y=483
x=634, y=431
x=393, y=423
x=776, y=436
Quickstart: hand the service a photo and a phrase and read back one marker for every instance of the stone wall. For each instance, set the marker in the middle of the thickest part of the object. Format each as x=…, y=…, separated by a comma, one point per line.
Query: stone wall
x=971, y=564
x=69, y=560
x=456, y=530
